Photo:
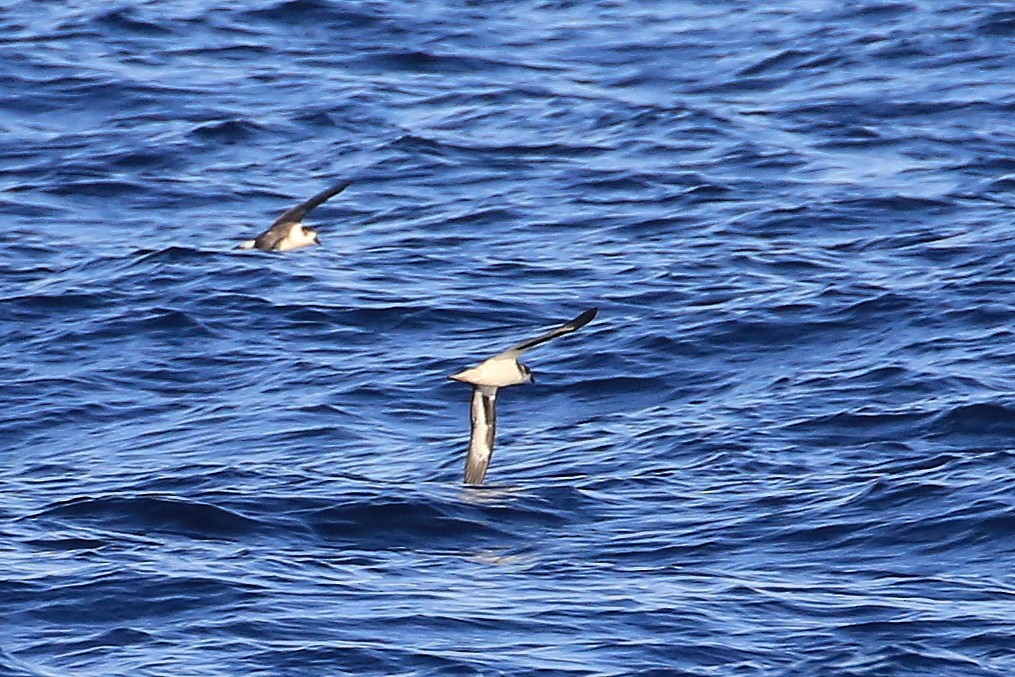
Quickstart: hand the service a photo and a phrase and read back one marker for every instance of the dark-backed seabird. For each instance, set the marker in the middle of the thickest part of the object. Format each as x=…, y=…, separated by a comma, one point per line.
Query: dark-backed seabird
x=500, y=371
x=288, y=231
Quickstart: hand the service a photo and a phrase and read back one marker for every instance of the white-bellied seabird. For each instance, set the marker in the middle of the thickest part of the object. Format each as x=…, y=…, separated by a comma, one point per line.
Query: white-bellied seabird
x=496, y=372
x=288, y=231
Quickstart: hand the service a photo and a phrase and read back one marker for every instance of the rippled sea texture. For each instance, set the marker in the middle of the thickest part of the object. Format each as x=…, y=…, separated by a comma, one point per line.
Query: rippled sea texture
x=784, y=448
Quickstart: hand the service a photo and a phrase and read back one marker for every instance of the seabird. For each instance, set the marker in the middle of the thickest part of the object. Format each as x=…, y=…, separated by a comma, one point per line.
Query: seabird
x=288, y=231
x=500, y=371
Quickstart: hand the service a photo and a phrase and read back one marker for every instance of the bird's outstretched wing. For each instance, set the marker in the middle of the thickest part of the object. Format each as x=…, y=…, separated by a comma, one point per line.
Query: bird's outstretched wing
x=484, y=430
x=566, y=328
x=296, y=214
x=270, y=238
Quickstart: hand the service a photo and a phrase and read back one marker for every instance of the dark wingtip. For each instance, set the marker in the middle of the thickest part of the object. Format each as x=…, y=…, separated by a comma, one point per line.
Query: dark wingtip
x=584, y=318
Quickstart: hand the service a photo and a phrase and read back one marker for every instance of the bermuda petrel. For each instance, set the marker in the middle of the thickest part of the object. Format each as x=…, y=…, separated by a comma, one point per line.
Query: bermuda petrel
x=500, y=371
x=288, y=231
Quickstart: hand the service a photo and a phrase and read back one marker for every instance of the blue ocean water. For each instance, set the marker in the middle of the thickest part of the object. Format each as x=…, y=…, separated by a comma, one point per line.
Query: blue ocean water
x=785, y=447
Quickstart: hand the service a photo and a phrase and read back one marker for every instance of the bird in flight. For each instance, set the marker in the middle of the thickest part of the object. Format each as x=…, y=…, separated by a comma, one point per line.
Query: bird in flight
x=288, y=231
x=486, y=378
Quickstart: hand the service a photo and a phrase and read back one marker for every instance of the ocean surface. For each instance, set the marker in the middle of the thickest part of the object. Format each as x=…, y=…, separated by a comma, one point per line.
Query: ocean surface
x=785, y=447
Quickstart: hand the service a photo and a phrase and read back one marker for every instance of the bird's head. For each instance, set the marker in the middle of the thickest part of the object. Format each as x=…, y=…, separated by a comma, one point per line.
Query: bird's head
x=300, y=236
x=526, y=373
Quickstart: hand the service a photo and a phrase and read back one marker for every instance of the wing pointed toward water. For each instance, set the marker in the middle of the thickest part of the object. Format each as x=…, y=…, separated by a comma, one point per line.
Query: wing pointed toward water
x=484, y=430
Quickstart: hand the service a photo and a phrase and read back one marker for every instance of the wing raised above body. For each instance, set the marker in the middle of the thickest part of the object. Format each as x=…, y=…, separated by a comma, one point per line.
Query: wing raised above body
x=566, y=328
x=484, y=430
x=296, y=214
